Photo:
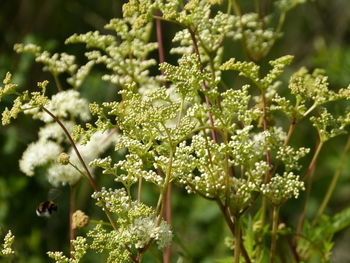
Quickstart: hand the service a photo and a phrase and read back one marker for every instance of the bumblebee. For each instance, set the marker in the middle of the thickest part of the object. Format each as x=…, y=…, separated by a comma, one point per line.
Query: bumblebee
x=45, y=209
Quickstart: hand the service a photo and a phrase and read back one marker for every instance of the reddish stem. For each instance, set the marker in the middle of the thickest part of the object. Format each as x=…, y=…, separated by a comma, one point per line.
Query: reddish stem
x=204, y=85
x=71, y=211
x=167, y=214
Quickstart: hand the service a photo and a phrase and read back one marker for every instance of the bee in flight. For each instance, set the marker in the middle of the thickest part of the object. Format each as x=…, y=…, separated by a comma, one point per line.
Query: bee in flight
x=45, y=209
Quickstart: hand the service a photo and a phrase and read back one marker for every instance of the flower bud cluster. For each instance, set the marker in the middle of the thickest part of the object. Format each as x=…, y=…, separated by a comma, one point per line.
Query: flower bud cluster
x=280, y=188
x=138, y=223
x=6, y=247
x=80, y=248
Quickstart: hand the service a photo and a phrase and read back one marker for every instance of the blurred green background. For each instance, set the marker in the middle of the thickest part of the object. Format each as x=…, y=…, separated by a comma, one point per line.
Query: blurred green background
x=316, y=33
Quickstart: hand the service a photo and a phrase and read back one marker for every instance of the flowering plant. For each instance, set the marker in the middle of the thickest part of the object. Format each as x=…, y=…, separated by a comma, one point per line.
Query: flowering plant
x=185, y=126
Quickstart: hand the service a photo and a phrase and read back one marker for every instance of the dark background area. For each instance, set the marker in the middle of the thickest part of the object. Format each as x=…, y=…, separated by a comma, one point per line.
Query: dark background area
x=316, y=33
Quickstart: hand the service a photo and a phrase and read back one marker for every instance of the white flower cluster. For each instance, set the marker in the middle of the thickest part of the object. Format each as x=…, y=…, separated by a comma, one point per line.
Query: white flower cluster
x=66, y=174
x=257, y=38
x=77, y=79
x=290, y=156
x=38, y=154
x=145, y=228
x=49, y=146
x=116, y=201
x=64, y=104
x=139, y=223
x=80, y=247
x=5, y=248
x=57, y=63
x=280, y=188
x=134, y=167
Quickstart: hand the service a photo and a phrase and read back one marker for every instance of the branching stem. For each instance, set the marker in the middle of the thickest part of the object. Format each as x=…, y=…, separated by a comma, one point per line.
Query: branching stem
x=308, y=177
x=196, y=50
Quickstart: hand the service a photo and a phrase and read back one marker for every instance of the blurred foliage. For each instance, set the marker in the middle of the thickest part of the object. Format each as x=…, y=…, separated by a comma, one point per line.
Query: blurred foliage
x=317, y=33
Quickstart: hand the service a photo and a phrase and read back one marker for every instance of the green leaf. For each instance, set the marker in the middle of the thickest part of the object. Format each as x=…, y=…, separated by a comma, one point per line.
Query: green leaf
x=341, y=220
x=225, y=260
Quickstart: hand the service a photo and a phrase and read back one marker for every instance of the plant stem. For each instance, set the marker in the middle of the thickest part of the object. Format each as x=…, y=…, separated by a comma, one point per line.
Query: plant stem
x=308, y=176
x=160, y=44
x=237, y=251
x=88, y=175
x=334, y=181
x=166, y=187
x=268, y=159
x=73, y=190
x=232, y=228
x=139, y=189
x=167, y=250
x=167, y=216
x=57, y=82
x=264, y=8
x=196, y=50
x=275, y=216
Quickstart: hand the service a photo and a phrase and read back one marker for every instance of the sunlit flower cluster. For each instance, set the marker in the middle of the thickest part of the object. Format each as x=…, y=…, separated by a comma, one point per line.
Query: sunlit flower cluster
x=80, y=249
x=281, y=188
x=138, y=222
x=6, y=247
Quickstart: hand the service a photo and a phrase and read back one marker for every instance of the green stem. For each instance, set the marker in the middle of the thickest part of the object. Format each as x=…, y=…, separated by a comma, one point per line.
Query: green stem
x=139, y=189
x=165, y=187
x=57, y=82
x=334, y=181
x=308, y=176
x=275, y=217
x=73, y=191
x=237, y=250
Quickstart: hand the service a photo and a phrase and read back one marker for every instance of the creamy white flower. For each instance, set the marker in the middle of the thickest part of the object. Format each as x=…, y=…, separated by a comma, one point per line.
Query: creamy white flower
x=55, y=131
x=64, y=104
x=145, y=228
x=37, y=154
x=66, y=174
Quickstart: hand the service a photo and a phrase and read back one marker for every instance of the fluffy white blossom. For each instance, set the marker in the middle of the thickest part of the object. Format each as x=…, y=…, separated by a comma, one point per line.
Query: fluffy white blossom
x=66, y=174
x=64, y=104
x=38, y=154
x=145, y=228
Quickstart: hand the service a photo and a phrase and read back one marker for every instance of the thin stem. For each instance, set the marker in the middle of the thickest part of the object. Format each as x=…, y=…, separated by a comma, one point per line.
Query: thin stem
x=275, y=217
x=264, y=8
x=237, y=250
x=293, y=249
x=167, y=250
x=160, y=44
x=88, y=175
x=286, y=141
x=139, y=189
x=290, y=130
x=226, y=216
x=265, y=127
x=57, y=82
x=204, y=85
x=308, y=176
x=165, y=187
x=310, y=109
x=334, y=181
x=268, y=159
x=229, y=7
x=73, y=191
